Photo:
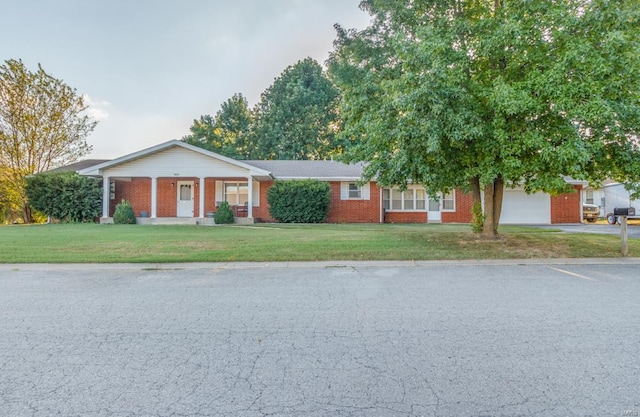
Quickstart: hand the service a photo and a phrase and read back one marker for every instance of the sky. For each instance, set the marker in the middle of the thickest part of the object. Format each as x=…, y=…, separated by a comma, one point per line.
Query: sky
x=148, y=68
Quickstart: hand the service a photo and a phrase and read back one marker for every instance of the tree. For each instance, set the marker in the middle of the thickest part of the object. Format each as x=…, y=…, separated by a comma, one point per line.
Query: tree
x=42, y=125
x=65, y=196
x=297, y=115
x=479, y=94
x=228, y=132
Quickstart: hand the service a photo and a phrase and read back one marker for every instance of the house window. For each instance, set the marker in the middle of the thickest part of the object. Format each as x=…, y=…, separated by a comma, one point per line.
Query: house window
x=411, y=199
x=588, y=196
x=421, y=197
x=449, y=201
x=396, y=199
x=408, y=199
x=236, y=193
x=355, y=191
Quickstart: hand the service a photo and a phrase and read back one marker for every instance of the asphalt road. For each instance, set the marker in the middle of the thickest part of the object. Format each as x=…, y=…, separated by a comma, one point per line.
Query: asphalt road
x=367, y=339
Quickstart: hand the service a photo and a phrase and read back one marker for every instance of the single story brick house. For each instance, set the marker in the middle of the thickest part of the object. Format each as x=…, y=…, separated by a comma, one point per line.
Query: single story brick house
x=178, y=182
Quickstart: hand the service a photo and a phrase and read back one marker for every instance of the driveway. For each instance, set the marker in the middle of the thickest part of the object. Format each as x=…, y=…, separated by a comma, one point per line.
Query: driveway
x=633, y=230
x=327, y=339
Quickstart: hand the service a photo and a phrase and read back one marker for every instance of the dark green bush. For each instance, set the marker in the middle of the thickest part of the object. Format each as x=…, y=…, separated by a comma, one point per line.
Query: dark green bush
x=299, y=201
x=65, y=196
x=477, y=217
x=224, y=215
x=124, y=213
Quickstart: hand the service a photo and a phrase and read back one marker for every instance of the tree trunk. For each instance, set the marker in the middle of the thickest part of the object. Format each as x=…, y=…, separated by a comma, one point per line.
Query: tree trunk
x=477, y=217
x=26, y=213
x=498, y=194
x=489, y=229
x=493, y=194
x=476, y=197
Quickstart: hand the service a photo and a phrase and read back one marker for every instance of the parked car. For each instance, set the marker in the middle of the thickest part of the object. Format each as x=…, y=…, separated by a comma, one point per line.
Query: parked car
x=590, y=212
x=614, y=218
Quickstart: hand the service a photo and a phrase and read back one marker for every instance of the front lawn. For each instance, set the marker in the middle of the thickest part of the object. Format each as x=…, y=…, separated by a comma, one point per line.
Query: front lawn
x=93, y=243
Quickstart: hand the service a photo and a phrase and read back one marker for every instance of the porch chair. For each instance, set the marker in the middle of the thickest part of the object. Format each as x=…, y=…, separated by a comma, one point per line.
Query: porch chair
x=243, y=208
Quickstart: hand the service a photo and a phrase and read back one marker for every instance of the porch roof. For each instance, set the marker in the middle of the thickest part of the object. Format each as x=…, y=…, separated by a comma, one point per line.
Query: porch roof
x=99, y=169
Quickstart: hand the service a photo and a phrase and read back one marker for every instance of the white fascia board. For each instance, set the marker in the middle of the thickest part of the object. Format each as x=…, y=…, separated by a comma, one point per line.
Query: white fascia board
x=330, y=179
x=98, y=169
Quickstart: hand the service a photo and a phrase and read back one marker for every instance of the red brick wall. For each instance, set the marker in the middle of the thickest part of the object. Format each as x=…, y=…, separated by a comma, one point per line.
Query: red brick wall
x=354, y=211
x=405, y=217
x=137, y=192
x=340, y=211
x=261, y=214
x=565, y=208
x=209, y=195
x=462, y=214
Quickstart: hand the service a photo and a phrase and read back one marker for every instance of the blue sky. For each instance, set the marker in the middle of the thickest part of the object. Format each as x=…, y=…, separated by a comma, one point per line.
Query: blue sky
x=148, y=68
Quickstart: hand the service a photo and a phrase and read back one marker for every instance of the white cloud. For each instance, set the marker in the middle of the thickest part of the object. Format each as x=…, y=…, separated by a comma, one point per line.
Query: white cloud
x=97, y=109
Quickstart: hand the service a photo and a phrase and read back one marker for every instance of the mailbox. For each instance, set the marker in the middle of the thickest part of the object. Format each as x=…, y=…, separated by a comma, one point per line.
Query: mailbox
x=624, y=211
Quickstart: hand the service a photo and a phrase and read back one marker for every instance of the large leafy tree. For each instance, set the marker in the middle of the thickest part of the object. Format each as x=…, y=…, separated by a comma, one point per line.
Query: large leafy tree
x=43, y=124
x=297, y=115
x=483, y=94
x=228, y=132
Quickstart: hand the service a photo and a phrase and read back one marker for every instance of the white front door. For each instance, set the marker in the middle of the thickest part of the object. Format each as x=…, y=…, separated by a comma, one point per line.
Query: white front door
x=185, y=199
x=434, y=214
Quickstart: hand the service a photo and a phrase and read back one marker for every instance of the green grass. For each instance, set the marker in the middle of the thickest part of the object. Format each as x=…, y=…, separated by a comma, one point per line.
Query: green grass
x=92, y=243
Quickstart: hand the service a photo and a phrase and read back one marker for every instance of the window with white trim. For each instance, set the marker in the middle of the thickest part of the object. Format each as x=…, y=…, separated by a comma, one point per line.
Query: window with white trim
x=588, y=196
x=354, y=191
x=411, y=199
x=449, y=201
x=236, y=193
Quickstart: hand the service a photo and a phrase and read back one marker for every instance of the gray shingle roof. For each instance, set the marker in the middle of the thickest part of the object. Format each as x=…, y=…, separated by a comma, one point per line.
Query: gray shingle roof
x=309, y=169
x=77, y=166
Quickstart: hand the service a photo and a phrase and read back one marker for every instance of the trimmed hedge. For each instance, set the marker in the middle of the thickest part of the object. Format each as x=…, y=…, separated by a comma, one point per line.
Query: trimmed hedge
x=299, y=201
x=65, y=196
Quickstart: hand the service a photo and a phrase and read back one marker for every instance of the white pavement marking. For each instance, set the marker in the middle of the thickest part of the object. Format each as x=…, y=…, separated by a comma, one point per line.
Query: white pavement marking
x=573, y=274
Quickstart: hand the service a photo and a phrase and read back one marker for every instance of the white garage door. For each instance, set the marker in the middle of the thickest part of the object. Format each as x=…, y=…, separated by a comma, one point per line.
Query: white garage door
x=519, y=207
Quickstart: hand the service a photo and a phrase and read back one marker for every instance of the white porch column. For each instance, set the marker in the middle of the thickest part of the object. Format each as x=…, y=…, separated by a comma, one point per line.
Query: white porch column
x=201, y=208
x=106, y=196
x=250, y=196
x=154, y=197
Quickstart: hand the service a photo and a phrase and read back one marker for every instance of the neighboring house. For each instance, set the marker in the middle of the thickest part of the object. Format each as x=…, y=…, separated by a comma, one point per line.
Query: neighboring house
x=175, y=180
x=595, y=196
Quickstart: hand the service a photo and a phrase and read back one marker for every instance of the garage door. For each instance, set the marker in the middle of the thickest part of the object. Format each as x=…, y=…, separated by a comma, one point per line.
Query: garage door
x=519, y=207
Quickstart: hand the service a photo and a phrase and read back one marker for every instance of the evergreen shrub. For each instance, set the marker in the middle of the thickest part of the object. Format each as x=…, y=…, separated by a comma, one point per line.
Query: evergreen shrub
x=124, y=213
x=224, y=215
x=299, y=201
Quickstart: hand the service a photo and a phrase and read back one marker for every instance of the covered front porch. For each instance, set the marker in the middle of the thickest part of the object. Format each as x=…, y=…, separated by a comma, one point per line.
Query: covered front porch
x=184, y=200
x=207, y=221
x=177, y=183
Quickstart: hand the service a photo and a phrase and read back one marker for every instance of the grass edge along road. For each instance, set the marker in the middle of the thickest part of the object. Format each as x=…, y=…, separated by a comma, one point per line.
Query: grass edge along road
x=94, y=243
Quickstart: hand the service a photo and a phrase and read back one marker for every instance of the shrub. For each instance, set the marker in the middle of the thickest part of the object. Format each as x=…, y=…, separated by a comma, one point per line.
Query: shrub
x=224, y=215
x=124, y=213
x=65, y=196
x=299, y=201
x=477, y=217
